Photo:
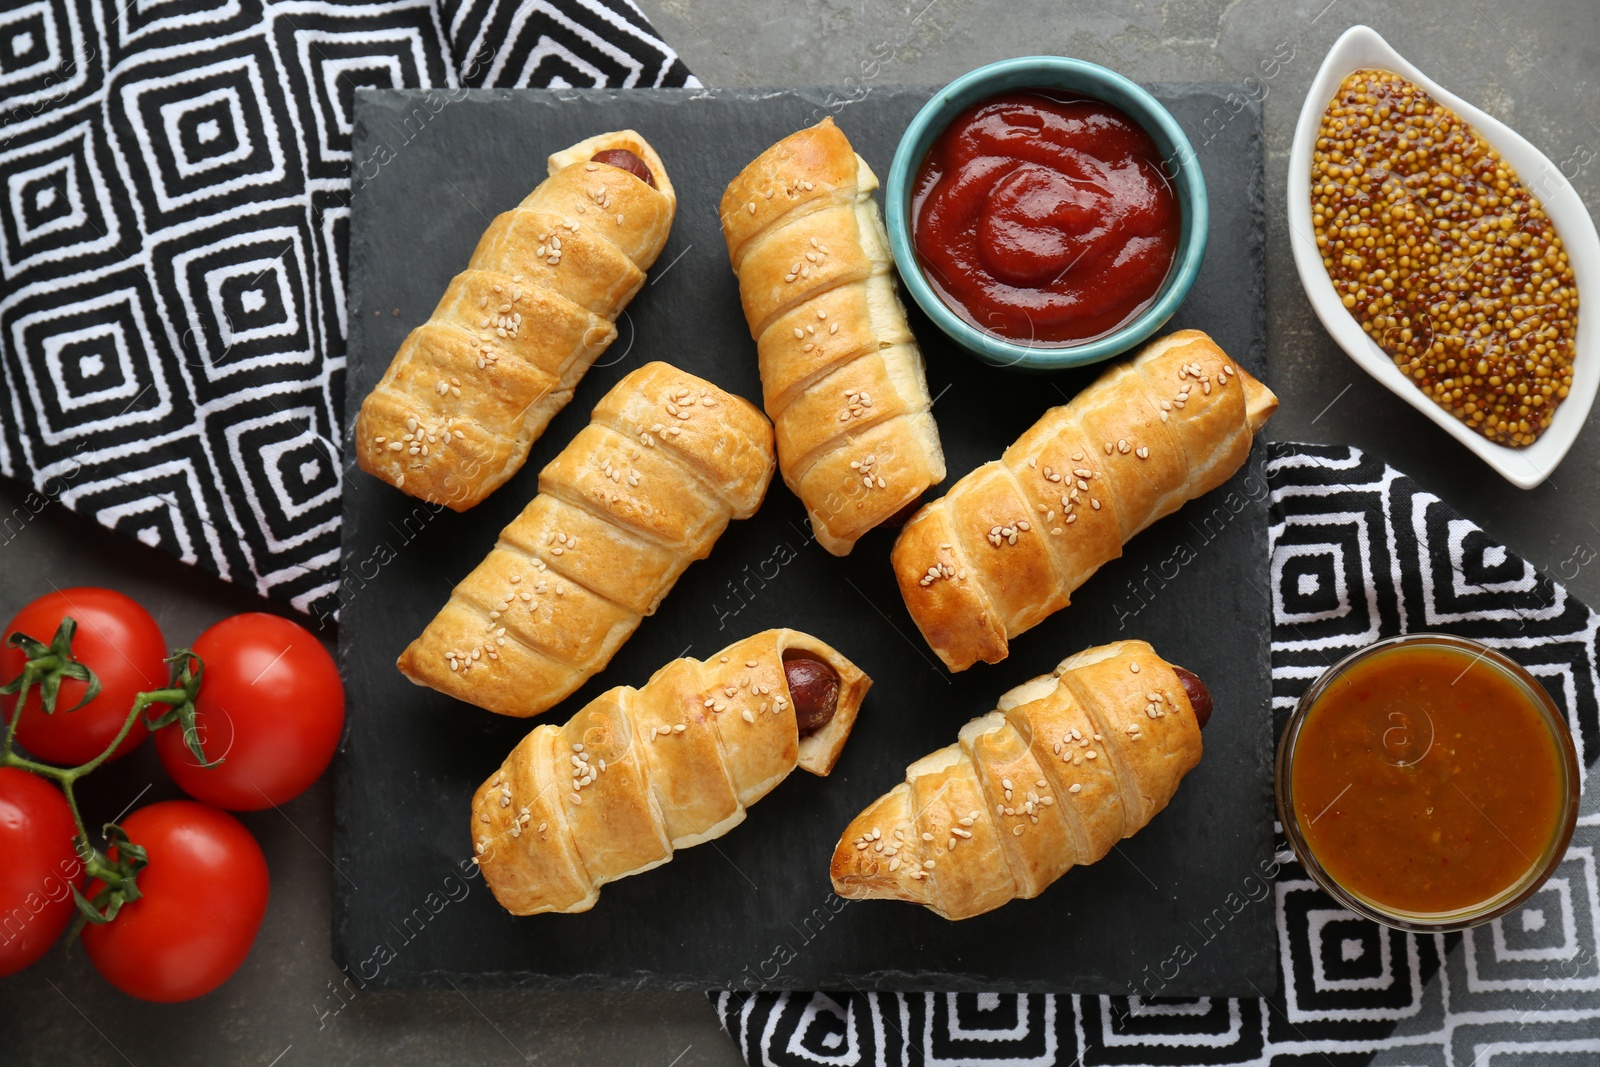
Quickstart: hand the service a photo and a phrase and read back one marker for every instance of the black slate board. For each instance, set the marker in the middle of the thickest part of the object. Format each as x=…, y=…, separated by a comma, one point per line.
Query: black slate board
x=1175, y=910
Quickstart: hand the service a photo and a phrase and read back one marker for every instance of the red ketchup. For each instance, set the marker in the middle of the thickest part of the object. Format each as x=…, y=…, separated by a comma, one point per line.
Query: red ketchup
x=1045, y=218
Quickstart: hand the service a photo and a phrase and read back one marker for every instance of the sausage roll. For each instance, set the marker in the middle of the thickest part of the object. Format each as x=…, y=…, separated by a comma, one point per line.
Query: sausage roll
x=1066, y=766
x=637, y=773
x=643, y=491
x=1007, y=545
x=841, y=374
x=472, y=388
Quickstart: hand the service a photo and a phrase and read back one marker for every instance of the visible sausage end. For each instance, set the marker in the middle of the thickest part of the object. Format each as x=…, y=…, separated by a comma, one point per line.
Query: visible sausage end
x=623, y=159
x=814, y=688
x=1199, y=695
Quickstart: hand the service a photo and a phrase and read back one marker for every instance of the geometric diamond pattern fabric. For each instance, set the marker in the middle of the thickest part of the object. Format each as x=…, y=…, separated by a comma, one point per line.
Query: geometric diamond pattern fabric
x=174, y=186
x=1359, y=552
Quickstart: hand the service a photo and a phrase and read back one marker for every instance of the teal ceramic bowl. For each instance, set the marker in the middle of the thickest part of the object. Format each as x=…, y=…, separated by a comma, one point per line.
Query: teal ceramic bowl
x=1072, y=75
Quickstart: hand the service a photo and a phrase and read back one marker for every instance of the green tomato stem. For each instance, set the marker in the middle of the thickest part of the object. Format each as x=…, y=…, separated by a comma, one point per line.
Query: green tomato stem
x=118, y=878
x=11, y=730
x=95, y=863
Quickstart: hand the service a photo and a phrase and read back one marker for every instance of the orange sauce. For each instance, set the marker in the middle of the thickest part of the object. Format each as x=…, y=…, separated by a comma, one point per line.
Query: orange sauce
x=1425, y=780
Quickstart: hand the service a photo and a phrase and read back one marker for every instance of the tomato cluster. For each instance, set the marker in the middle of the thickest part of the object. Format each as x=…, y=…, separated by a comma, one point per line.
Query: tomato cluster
x=246, y=719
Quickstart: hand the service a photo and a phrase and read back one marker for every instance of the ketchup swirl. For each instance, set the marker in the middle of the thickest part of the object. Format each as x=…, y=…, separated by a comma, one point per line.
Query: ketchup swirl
x=1045, y=218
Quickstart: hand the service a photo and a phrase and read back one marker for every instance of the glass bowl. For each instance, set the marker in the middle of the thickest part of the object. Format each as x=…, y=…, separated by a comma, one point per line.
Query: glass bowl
x=1508, y=899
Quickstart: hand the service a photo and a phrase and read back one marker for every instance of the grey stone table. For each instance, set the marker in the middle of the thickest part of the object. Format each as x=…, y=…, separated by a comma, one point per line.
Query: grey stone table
x=1532, y=64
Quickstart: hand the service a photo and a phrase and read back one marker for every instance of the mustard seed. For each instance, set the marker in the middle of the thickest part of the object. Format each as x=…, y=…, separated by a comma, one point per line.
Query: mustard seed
x=1448, y=262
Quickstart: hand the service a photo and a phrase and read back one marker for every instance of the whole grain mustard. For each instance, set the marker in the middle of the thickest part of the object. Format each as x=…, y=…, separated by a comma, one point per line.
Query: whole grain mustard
x=1448, y=262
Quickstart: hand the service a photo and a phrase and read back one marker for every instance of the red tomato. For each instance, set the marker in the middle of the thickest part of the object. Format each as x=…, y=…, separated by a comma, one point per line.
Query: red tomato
x=203, y=895
x=271, y=707
x=119, y=641
x=40, y=868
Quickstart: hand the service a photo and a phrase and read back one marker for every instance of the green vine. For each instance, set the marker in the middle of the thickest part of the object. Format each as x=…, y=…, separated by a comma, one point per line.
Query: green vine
x=47, y=666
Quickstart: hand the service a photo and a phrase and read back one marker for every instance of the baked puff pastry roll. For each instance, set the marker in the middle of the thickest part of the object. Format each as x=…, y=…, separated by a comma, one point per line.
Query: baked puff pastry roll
x=643, y=491
x=841, y=375
x=1067, y=765
x=1008, y=544
x=638, y=773
x=472, y=388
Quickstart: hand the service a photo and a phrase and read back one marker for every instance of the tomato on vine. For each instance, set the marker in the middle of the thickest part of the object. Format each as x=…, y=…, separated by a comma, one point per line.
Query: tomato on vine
x=43, y=821
x=175, y=900
x=268, y=715
x=41, y=868
x=202, y=894
x=117, y=640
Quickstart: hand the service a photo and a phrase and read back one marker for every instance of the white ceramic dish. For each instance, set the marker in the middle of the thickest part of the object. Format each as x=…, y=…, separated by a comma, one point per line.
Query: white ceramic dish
x=1362, y=47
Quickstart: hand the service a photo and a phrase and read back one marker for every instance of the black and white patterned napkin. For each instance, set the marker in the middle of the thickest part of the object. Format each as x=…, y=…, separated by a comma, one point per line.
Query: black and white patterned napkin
x=1359, y=552
x=174, y=212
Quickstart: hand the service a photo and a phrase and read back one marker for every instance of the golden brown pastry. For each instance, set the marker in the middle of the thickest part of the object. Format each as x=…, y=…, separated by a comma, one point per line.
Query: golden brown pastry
x=1007, y=545
x=472, y=388
x=841, y=374
x=637, y=773
x=1067, y=765
x=643, y=491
